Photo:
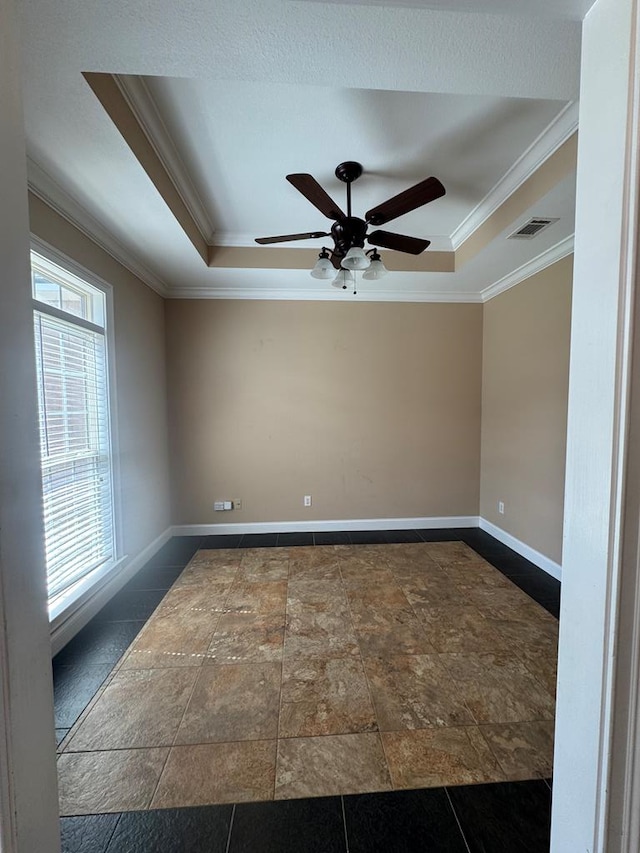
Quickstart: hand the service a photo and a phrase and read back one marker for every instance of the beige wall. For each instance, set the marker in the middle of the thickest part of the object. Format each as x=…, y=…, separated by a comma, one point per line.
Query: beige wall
x=372, y=408
x=524, y=407
x=140, y=381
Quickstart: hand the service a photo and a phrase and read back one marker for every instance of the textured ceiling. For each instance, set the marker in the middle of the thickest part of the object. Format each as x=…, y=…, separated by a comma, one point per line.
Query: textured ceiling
x=573, y=10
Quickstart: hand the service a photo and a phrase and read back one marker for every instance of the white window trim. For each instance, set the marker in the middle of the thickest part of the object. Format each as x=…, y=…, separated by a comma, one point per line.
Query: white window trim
x=85, y=587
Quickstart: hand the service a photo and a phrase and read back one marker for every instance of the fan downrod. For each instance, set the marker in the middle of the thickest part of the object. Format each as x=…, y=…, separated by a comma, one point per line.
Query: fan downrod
x=348, y=171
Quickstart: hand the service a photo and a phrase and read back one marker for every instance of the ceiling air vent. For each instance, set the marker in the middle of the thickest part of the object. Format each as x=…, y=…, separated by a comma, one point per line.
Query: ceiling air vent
x=532, y=228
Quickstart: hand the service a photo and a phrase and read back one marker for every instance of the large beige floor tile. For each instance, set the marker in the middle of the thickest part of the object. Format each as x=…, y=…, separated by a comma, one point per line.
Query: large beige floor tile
x=413, y=692
x=325, y=697
x=448, y=553
x=264, y=564
x=218, y=556
x=498, y=688
x=196, y=600
x=367, y=599
x=139, y=708
x=260, y=556
x=211, y=567
x=322, y=636
x=319, y=623
x=363, y=555
x=172, y=639
x=523, y=750
x=379, y=609
x=488, y=597
x=115, y=781
x=458, y=628
x=430, y=758
x=246, y=638
x=268, y=597
x=408, y=553
x=365, y=575
x=541, y=659
x=526, y=623
x=417, y=572
x=476, y=573
x=326, y=766
x=232, y=703
x=396, y=632
x=316, y=596
x=313, y=564
x=217, y=773
x=430, y=593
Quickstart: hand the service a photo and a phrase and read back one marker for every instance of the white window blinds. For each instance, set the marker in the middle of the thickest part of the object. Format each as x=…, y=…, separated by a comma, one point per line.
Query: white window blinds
x=75, y=446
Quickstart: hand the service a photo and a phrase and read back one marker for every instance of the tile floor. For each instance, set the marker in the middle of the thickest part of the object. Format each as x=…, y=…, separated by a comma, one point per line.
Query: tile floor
x=297, y=672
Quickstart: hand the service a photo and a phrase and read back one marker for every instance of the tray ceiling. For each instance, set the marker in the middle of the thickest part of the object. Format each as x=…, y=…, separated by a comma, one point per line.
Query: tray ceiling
x=261, y=89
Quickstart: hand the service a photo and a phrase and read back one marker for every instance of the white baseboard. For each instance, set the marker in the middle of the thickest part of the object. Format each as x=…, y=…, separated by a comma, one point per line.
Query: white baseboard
x=87, y=606
x=326, y=526
x=535, y=557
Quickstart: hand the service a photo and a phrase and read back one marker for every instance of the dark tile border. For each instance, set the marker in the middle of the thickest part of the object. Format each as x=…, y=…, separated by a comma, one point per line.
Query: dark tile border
x=504, y=816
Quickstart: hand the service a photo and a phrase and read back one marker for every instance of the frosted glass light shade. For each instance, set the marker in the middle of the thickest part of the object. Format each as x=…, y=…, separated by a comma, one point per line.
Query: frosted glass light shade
x=323, y=268
x=376, y=270
x=344, y=279
x=355, y=259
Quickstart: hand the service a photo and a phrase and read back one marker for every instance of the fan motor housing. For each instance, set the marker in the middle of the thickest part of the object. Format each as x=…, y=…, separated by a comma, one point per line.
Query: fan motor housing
x=348, y=232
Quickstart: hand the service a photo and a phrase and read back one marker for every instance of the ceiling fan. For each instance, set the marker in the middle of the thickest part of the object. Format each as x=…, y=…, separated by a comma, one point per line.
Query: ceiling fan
x=349, y=231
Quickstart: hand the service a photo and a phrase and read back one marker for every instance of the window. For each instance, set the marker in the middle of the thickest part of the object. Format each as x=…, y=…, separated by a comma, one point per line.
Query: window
x=73, y=403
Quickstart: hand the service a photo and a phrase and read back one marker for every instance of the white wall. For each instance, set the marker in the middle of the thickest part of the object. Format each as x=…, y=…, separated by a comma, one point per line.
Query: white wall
x=596, y=433
x=29, y=812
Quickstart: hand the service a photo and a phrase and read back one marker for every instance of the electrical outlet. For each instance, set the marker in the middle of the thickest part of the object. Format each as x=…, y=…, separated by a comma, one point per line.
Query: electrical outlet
x=501, y=507
x=237, y=503
x=307, y=500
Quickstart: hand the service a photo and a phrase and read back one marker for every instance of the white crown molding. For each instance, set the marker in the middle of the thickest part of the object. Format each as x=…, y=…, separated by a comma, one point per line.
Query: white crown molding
x=546, y=144
x=428, y=523
x=330, y=294
x=549, y=566
x=52, y=194
x=535, y=265
x=137, y=95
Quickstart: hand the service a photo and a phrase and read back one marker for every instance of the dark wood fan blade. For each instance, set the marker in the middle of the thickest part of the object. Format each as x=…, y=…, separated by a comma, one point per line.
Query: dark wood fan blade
x=398, y=242
x=313, y=192
x=284, y=238
x=422, y=193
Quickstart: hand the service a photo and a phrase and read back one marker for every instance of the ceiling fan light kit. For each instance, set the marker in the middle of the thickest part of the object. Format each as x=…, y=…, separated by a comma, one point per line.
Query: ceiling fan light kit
x=376, y=268
x=323, y=269
x=349, y=233
x=355, y=259
x=344, y=279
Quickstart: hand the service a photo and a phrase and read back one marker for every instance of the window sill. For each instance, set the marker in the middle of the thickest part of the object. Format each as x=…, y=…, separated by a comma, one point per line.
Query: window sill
x=68, y=602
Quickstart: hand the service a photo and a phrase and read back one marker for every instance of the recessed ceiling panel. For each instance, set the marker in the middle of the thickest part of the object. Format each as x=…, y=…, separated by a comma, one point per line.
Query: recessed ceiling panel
x=238, y=141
